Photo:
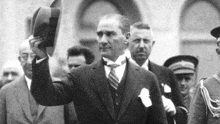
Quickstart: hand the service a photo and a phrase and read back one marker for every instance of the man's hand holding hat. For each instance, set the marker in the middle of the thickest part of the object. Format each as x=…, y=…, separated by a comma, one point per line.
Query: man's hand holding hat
x=45, y=24
x=44, y=29
x=34, y=44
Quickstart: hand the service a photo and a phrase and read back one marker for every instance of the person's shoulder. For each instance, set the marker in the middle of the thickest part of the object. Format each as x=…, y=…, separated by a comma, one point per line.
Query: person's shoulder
x=83, y=69
x=15, y=82
x=142, y=71
x=160, y=67
x=10, y=86
x=209, y=80
x=210, y=83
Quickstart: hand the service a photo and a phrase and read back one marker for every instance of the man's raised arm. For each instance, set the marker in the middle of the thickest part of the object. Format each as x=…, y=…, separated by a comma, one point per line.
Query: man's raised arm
x=44, y=90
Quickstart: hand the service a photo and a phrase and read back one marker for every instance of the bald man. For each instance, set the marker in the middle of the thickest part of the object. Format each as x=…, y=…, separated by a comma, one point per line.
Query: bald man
x=10, y=71
x=17, y=104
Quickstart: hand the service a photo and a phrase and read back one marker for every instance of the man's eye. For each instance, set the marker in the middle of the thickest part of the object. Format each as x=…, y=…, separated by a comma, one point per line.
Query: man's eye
x=136, y=40
x=187, y=79
x=109, y=34
x=76, y=66
x=5, y=74
x=146, y=40
x=24, y=57
x=14, y=73
x=99, y=34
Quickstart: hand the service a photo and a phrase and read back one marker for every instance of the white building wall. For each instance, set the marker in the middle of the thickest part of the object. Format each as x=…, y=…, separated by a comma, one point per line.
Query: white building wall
x=162, y=15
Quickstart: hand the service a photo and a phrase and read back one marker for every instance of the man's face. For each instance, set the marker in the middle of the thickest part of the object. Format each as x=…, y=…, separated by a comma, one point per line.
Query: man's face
x=110, y=38
x=186, y=82
x=9, y=74
x=75, y=61
x=26, y=55
x=140, y=44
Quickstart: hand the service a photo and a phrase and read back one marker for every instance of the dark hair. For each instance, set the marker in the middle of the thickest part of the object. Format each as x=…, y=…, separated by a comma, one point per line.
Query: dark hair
x=124, y=23
x=141, y=25
x=80, y=50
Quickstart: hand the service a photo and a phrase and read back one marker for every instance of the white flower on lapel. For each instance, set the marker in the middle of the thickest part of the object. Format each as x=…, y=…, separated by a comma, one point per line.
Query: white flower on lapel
x=166, y=88
x=145, y=97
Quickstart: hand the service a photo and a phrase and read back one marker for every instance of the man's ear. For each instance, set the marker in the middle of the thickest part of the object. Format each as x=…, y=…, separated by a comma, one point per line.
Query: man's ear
x=127, y=36
x=19, y=58
x=153, y=42
x=218, y=51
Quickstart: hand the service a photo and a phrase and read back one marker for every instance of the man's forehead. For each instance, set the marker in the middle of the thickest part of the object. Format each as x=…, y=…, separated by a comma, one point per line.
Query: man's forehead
x=141, y=32
x=136, y=30
x=25, y=50
x=10, y=70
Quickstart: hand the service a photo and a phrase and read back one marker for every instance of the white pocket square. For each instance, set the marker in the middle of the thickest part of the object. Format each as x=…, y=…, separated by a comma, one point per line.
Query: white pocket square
x=145, y=97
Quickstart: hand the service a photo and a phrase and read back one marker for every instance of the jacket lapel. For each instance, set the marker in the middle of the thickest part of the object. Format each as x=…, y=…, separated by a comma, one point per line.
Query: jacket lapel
x=40, y=110
x=130, y=87
x=21, y=93
x=158, y=72
x=102, y=85
x=152, y=67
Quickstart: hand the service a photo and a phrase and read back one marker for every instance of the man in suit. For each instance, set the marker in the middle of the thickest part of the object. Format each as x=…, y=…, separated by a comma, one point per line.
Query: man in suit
x=141, y=42
x=18, y=106
x=109, y=91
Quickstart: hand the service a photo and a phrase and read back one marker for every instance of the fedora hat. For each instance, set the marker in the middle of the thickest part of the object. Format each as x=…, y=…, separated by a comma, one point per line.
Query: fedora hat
x=44, y=24
x=182, y=64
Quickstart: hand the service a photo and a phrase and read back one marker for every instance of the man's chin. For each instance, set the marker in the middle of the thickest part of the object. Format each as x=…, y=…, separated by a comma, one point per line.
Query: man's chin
x=184, y=92
x=141, y=58
x=104, y=54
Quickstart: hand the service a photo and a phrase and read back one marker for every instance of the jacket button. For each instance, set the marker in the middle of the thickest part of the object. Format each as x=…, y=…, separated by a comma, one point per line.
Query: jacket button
x=116, y=95
x=116, y=103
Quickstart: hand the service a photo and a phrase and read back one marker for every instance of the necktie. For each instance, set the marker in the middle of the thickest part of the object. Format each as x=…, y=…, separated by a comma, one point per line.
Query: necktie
x=114, y=81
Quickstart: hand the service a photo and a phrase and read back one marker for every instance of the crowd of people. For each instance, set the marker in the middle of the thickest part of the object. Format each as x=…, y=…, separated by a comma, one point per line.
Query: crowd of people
x=119, y=88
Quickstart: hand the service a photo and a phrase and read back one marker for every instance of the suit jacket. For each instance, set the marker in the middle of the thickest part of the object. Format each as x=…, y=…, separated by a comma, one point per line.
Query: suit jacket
x=15, y=106
x=88, y=87
x=165, y=76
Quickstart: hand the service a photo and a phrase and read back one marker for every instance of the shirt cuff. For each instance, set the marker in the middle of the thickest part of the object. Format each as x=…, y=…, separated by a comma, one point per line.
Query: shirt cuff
x=42, y=59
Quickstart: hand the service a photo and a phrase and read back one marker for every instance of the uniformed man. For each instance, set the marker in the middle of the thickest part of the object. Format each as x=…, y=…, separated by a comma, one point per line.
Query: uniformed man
x=184, y=67
x=205, y=106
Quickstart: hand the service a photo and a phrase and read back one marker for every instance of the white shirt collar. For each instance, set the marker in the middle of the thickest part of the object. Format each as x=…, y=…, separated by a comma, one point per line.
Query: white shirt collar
x=119, y=60
x=145, y=65
x=119, y=71
x=28, y=82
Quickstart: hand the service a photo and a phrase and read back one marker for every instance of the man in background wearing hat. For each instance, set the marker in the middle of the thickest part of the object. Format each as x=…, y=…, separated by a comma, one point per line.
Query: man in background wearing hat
x=205, y=106
x=184, y=67
x=141, y=43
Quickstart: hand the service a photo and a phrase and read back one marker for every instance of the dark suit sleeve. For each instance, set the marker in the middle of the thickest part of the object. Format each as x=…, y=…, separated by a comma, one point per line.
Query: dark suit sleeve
x=47, y=92
x=70, y=114
x=156, y=113
x=181, y=110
